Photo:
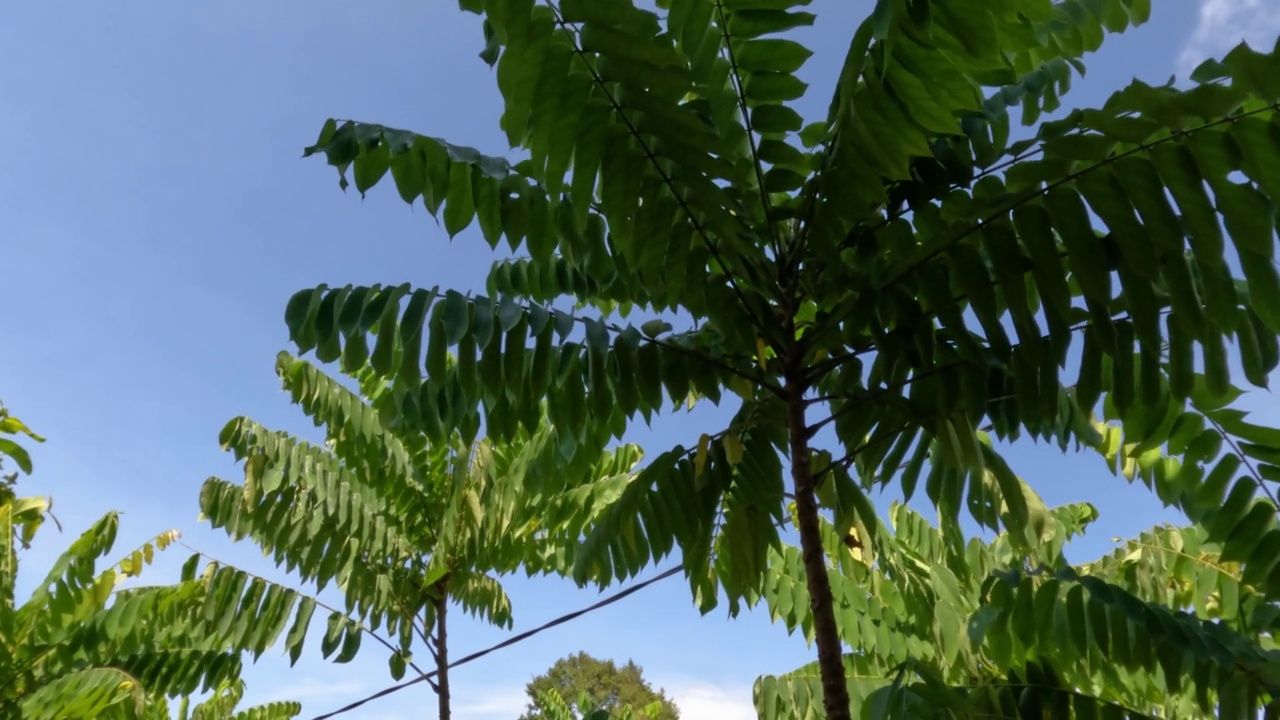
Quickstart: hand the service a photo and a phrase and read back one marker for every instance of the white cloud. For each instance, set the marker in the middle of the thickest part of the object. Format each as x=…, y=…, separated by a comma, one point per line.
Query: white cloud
x=707, y=701
x=502, y=703
x=1222, y=24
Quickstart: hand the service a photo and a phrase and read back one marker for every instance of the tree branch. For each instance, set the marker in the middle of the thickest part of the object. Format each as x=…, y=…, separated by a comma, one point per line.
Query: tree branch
x=746, y=123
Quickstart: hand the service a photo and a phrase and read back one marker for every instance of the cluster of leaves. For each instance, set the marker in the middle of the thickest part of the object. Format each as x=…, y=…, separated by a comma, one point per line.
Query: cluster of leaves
x=223, y=704
x=900, y=267
x=402, y=524
x=1006, y=628
x=83, y=647
x=9, y=448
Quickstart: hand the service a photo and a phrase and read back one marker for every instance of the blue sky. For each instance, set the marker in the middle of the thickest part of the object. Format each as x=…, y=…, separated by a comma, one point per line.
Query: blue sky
x=156, y=217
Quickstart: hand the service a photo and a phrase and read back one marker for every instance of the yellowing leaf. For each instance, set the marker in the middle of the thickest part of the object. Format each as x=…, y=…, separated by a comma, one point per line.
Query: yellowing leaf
x=700, y=460
x=732, y=448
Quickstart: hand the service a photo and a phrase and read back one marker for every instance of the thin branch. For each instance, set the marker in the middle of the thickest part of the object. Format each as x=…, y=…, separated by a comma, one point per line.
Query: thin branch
x=746, y=123
x=1195, y=559
x=653, y=160
x=855, y=234
x=1253, y=473
x=1033, y=195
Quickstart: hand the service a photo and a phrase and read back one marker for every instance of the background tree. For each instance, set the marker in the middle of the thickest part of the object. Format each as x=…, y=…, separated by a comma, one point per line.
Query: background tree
x=404, y=522
x=553, y=706
x=898, y=273
x=587, y=685
x=81, y=647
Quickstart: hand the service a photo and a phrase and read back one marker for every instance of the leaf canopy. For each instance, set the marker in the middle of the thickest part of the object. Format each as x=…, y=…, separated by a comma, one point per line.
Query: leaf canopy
x=901, y=267
x=397, y=521
x=81, y=646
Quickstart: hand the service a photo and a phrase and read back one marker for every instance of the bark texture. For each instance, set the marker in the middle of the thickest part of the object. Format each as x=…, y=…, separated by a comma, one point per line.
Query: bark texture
x=835, y=693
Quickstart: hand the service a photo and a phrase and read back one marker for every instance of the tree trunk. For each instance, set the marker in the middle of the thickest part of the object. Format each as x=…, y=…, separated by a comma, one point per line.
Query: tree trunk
x=835, y=693
x=442, y=650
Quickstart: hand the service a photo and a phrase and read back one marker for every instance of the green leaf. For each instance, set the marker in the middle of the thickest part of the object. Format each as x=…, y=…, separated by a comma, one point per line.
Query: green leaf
x=459, y=208
x=757, y=22
x=773, y=87
x=882, y=19
x=771, y=55
x=456, y=317
x=17, y=452
x=775, y=119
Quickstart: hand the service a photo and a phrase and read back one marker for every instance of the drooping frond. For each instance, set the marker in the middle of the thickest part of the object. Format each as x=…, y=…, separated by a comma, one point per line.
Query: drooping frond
x=391, y=468
x=512, y=359
x=482, y=597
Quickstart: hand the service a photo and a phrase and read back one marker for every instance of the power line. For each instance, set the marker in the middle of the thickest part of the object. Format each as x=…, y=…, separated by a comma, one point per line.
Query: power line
x=506, y=643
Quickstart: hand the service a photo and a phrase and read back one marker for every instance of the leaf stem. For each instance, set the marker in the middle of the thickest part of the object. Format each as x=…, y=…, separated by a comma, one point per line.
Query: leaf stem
x=1069, y=177
x=662, y=174
x=746, y=123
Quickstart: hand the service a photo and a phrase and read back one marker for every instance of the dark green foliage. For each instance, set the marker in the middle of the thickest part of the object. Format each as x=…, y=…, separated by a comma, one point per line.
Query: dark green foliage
x=982, y=627
x=898, y=271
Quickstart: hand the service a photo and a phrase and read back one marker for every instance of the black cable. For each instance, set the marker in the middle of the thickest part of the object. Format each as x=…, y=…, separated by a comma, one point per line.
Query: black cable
x=505, y=643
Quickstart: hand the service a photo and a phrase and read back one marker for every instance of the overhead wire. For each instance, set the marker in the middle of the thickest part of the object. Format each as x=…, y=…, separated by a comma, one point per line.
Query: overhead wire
x=426, y=677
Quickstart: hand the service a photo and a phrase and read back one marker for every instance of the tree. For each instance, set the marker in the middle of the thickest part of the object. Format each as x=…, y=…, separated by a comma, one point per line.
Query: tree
x=80, y=647
x=403, y=522
x=898, y=273
x=591, y=685
x=554, y=707
x=1007, y=628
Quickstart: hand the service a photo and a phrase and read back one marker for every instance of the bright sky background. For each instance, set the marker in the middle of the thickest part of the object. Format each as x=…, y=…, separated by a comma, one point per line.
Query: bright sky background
x=156, y=216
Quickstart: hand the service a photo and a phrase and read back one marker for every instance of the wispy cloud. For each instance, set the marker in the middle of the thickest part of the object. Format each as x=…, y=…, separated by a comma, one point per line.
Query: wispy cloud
x=1222, y=24
x=706, y=701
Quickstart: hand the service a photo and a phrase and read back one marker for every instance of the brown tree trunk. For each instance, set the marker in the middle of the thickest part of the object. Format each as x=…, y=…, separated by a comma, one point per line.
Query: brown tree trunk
x=442, y=650
x=835, y=693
